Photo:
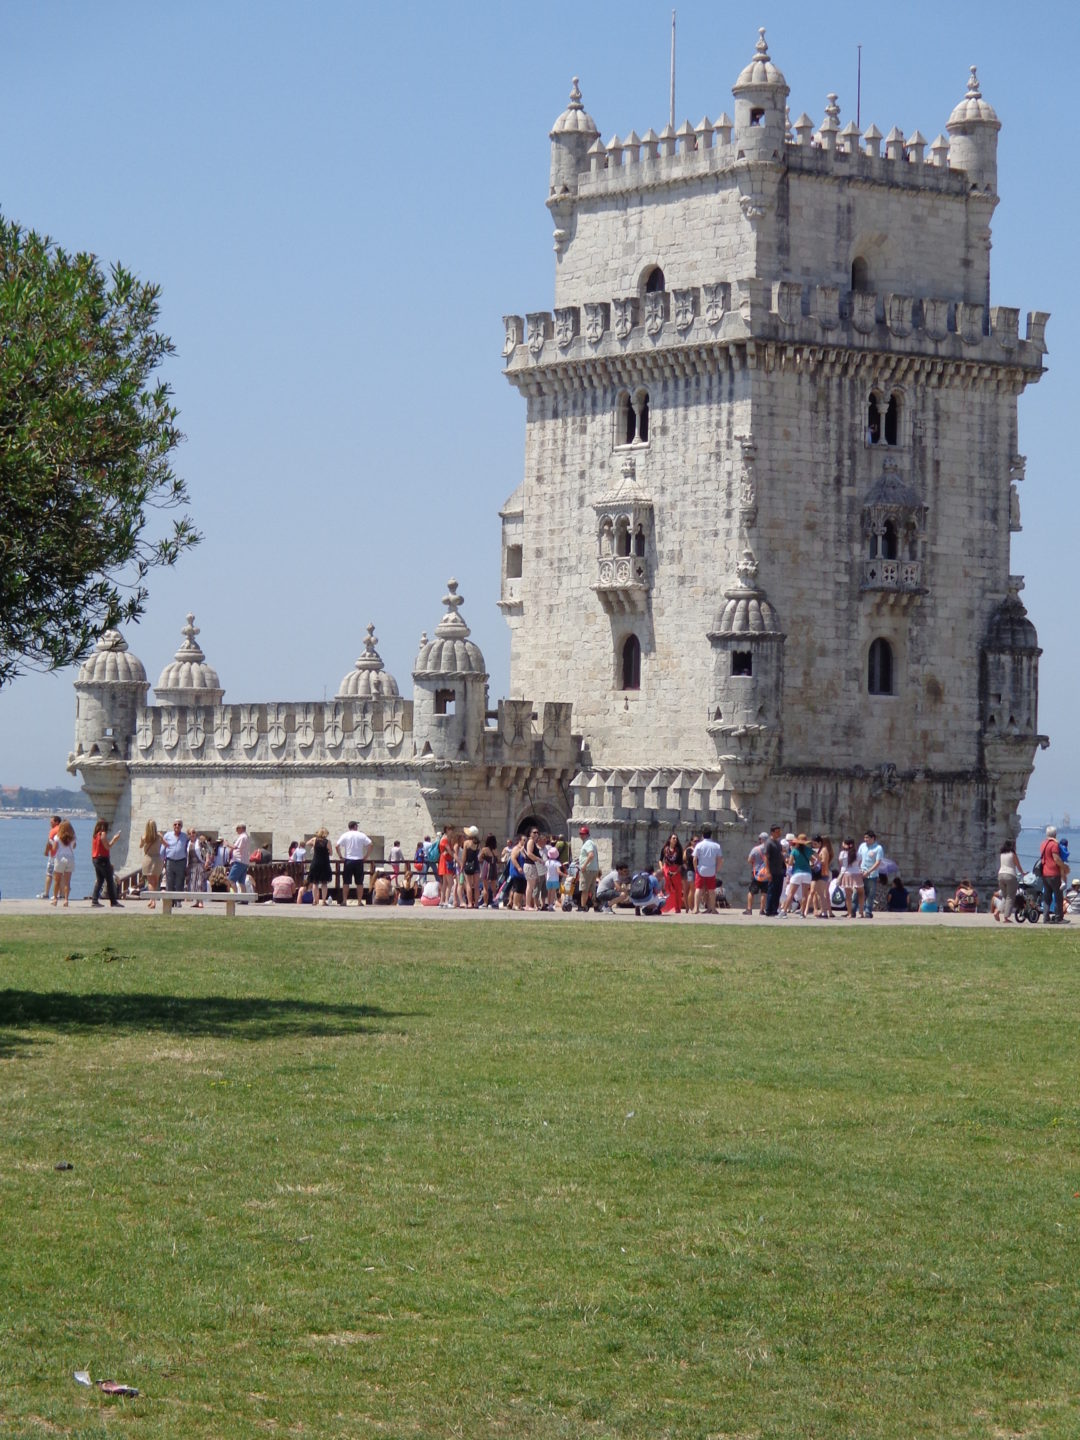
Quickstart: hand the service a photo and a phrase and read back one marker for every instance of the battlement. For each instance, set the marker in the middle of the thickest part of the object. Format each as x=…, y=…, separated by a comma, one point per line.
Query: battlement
x=788, y=312
x=674, y=157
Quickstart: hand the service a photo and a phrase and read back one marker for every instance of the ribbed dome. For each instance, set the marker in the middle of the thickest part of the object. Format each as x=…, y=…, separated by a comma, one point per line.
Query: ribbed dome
x=747, y=610
x=187, y=679
x=892, y=493
x=450, y=652
x=1010, y=628
x=111, y=663
x=368, y=678
x=574, y=120
x=761, y=70
x=974, y=107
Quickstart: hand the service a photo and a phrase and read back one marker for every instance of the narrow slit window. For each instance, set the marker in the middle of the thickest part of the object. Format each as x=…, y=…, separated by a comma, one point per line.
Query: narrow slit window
x=513, y=562
x=643, y=415
x=880, y=668
x=631, y=663
x=860, y=274
x=892, y=420
x=873, y=421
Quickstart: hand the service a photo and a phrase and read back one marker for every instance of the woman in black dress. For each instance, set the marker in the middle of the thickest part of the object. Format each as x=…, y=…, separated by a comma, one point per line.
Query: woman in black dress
x=319, y=872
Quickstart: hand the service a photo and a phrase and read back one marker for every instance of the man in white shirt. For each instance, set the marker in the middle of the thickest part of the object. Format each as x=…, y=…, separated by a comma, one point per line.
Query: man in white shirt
x=871, y=854
x=708, y=857
x=353, y=848
x=588, y=869
x=241, y=854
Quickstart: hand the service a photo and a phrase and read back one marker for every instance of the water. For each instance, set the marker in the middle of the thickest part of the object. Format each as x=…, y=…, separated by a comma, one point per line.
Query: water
x=22, y=864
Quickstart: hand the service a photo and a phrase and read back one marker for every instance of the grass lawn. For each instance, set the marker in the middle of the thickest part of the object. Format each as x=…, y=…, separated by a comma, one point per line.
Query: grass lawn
x=538, y=1180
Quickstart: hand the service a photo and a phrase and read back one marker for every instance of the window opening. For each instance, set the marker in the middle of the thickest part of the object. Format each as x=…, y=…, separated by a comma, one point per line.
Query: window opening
x=860, y=274
x=639, y=541
x=873, y=421
x=655, y=281
x=513, y=562
x=742, y=662
x=444, y=702
x=880, y=668
x=622, y=538
x=892, y=416
x=889, y=546
x=642, y=415
x=631, y=663
x=757, y=117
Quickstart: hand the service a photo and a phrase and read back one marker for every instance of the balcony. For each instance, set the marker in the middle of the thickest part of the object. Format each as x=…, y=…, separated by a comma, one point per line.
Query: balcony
x=901, y=575
x=623, y=584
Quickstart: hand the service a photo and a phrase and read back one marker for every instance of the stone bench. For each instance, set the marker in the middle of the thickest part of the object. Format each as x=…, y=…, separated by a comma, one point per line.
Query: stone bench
x=229, y=898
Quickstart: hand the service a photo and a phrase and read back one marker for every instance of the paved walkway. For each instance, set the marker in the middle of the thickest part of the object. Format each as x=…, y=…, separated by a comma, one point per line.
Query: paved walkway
x=309, y=914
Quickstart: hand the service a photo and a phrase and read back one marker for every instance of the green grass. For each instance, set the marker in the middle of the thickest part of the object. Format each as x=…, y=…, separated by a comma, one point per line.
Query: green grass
x=538, y=1180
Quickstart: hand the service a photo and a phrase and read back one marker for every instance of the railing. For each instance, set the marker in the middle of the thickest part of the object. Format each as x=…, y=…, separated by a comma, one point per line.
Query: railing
x=879, y=574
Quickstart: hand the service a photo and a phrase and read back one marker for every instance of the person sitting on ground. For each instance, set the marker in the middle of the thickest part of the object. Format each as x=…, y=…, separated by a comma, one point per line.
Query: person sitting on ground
x=927, y=898
x=283, y=889
x=896, y=898
x=1072, y=898
x=382, y=892
x=997, y=905
x=646, y=892
x=306, y=894
x=614, y=887
x=406, y=894
x=965, y=901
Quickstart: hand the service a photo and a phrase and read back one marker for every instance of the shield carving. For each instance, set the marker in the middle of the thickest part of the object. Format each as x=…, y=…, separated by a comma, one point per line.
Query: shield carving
x=363, y=730
x=393, y=727
x=249, y=726
x=596, y=318
x=222, y=727
x=275, y=725
x=684, y=310
x=305, y=726
x=715, y=303
x=144, y=729
x=624, y=317
x=196, y=730
x=334, y=726
x=170, y=729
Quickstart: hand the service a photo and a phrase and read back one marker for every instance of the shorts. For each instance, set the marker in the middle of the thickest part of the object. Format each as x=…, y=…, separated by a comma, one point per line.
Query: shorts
x=63, y=864
x=801, y=879
x=757, y=887
x=530, y=870
x=237, y=872
x=353, y=873
x=516, y=884
x=706, y=882
x=552, y=886
x=50, y=865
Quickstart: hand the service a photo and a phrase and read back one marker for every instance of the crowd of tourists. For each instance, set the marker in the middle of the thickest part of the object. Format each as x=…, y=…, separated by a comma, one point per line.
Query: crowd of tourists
x=791, y=875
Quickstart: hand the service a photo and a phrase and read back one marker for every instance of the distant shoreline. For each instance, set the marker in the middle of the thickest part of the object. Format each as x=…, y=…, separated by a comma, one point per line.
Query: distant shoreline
x=46, y=814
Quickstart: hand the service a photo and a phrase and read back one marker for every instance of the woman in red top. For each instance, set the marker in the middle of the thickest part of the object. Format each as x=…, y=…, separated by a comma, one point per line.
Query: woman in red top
x=671, y=862
x=99, y=853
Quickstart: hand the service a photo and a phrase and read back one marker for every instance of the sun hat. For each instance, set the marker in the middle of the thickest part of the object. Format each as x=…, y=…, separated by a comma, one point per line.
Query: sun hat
x=801, y=839
x=472, y=832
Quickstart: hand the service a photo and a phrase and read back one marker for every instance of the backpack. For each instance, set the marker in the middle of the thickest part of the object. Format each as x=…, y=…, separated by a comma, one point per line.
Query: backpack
x=641, y=887
x=432, y=853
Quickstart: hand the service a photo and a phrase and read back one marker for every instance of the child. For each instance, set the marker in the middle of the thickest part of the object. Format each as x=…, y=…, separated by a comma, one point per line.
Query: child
x=553, y=871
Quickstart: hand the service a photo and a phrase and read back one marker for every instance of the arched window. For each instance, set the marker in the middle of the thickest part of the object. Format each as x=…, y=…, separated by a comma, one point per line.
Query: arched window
x=654, y=281
x=631, y=663
x=879, y=677
x=632, y=418
x=622, y=537
x=873, y=421
x=639, y=541
x=889, y=544
x=860, y=274
x=641, y=405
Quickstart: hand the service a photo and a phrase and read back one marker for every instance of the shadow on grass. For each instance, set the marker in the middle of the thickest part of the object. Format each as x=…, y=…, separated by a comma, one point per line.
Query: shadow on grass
x=248, y=1017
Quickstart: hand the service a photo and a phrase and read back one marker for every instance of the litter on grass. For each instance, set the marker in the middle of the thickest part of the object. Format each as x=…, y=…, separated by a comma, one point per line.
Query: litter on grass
x=83, y=1377
x=114, y=1387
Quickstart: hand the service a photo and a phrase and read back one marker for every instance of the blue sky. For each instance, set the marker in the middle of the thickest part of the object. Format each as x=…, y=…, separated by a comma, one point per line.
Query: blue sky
x=340, y=201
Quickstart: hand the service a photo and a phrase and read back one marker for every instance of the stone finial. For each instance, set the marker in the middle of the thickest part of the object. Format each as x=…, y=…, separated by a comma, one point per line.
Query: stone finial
x=872, y=138
x=452, y=622
x=973, y=91
x=189, y=650
x=939, y=152
x=804, y=128
x=832, y=109
x=747, y=568
x=575, y=95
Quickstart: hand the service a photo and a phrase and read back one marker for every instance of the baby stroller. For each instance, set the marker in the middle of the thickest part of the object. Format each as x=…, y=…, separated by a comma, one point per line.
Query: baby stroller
x=568, y=886
x=1029, y=895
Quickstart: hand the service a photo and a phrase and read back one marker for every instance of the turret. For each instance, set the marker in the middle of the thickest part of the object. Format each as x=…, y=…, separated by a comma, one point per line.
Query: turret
x=368, y=679
x=188, y=679
x=1009, y=674
x=973, y=130
x=761, y=94
x=110, y=687
x=748, y=681
x=450, y=689
x=571, y=135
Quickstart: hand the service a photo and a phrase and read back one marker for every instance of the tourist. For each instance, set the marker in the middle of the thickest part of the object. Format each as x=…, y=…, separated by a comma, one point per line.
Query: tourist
x=588, y=868
x=382, y=889
x=871, y=855
x=774, y=859
x=489, y=870
x=1054, y=872
x=319, y=872
x=1009, y=873
x=997, y=904
x=896, y=897
x=965, y=901
x=446, y=866
x=174, y=848
x=552, y=875
x=64, y=862
x=100, y=847
x=1072, y=898
x=851, y=878
x=195, y=881
x=614, y=887
x=759, y=874
x=353, y=848
x=50, y=859
x=799, y=887
x=299, y=855
x=671, y=865
x=708, y=857
x=396, y=857
x=928, y=902
x=152, y=863
x=533, y=866
x=821, y=877
x=470, y=866
x=306, y=894
x=283, y=889
x=689, y=887
x=516, y=883
x=239, y=856
x=647, y=893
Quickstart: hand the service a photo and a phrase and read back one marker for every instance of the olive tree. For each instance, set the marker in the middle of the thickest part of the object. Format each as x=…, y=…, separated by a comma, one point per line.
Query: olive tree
x=86, y=439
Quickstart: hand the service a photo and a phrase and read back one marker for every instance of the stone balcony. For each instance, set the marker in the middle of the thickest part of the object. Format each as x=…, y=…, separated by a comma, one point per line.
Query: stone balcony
x=897, y=577
x=623, y=583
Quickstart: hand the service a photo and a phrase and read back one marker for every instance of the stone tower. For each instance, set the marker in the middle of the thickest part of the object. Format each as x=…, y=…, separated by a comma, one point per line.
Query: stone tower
x=110, y=688
x=772, y=385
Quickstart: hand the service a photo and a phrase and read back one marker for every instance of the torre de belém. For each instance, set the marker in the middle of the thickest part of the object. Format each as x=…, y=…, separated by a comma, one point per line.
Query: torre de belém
x=757, y=568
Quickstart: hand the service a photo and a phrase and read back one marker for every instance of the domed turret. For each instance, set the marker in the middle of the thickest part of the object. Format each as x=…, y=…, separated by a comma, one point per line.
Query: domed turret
x=110, y=687
x=761, y=94
x=571, y=135
x=748, y=680
x=973, y=130
x=187, y=679
x=450, y=688
x=368, y=679
x=1009, y=687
